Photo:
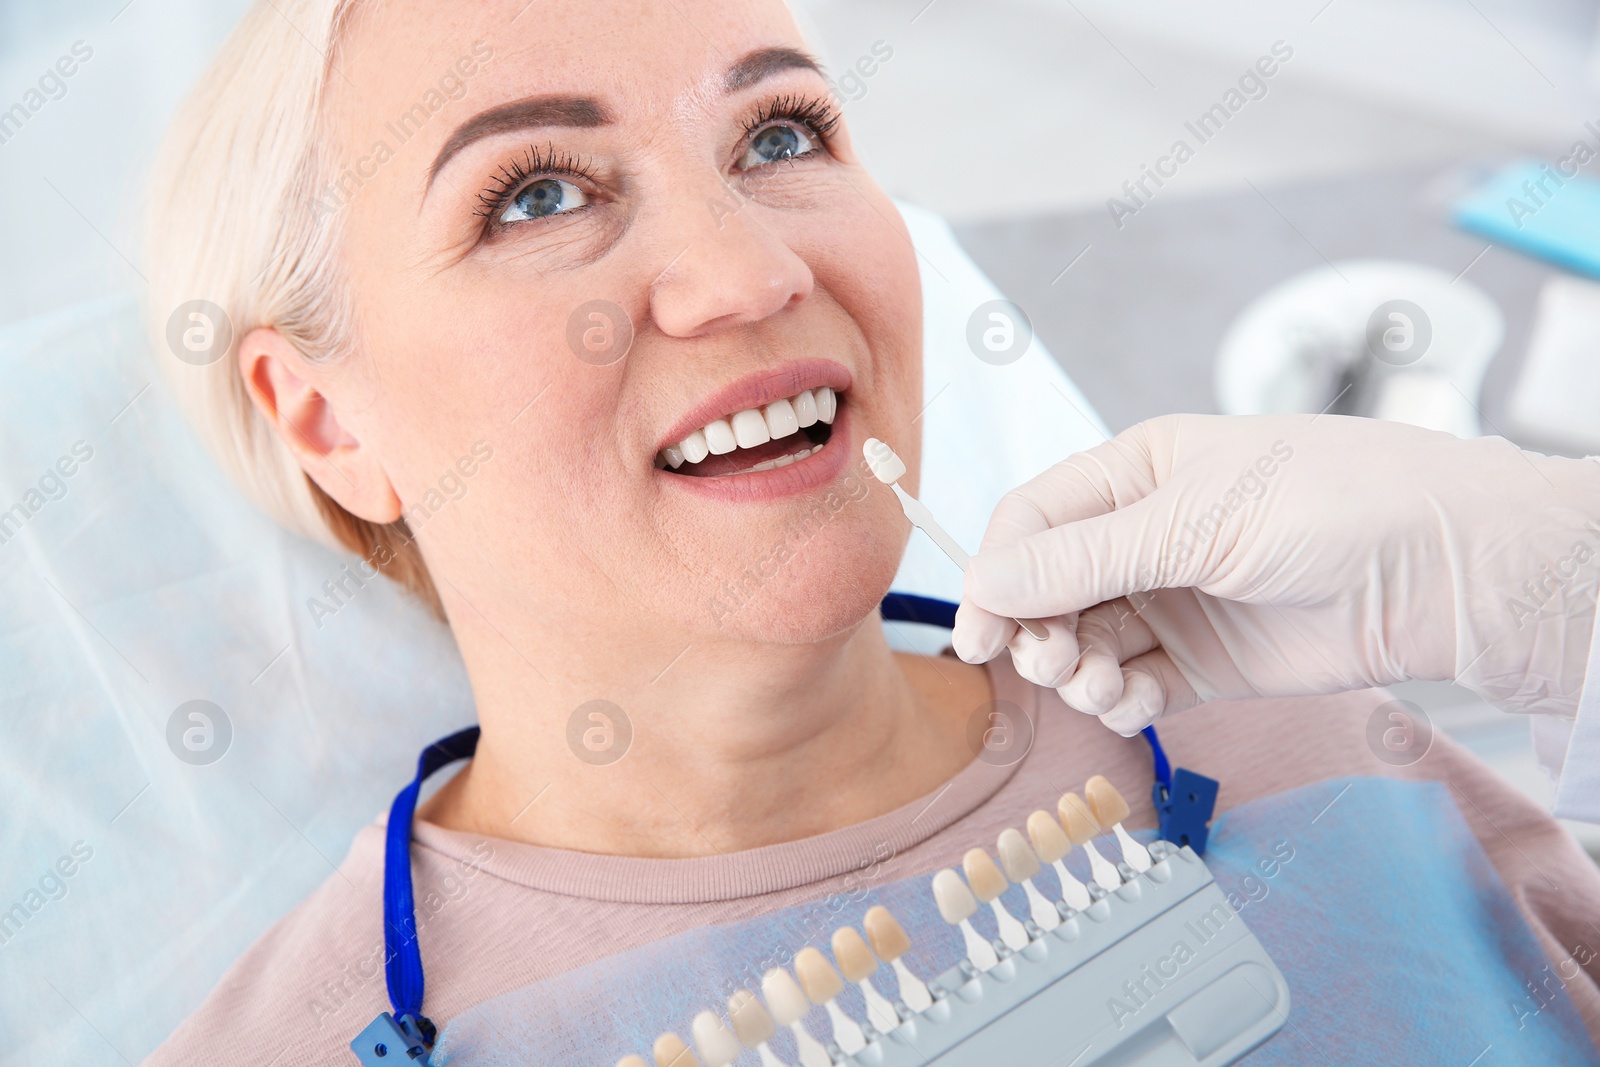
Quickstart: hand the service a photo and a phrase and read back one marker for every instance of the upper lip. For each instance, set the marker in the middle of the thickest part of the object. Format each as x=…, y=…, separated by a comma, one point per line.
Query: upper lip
x=758, y=389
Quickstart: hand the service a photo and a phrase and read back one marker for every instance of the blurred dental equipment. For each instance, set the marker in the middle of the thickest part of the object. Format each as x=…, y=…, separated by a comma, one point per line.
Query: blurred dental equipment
x=889, y=468
x=1377, y=338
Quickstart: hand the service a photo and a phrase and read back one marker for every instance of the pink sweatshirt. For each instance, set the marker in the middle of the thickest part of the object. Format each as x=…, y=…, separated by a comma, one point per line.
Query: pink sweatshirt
x=499, y=919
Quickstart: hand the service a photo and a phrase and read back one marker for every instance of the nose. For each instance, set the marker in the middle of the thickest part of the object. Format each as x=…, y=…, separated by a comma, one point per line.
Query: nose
x=733, y=270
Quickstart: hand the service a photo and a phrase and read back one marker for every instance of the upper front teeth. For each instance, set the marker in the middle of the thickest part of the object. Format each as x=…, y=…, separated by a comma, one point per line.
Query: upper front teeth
x=753, y=426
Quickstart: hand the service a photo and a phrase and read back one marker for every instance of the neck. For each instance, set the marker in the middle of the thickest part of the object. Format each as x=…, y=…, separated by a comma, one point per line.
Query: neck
x=732, y=746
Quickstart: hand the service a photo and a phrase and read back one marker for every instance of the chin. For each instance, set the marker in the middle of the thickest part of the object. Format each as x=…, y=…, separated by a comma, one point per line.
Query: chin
x=816, y=594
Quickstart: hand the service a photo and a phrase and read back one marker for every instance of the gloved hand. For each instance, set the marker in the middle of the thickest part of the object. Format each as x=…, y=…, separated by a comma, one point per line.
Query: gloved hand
x=1218, y=557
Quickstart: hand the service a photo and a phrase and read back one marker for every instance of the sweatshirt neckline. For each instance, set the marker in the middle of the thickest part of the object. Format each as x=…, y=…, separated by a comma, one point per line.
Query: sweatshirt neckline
x=748, y=872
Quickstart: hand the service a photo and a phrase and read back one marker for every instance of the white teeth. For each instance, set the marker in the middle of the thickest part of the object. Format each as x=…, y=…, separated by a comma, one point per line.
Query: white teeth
x=827, y=404
x=720, y=438
x=805, y=408
x=753, y=427
x=781, y=461
x=781, y=421
x=750, y=428
x=694, y=447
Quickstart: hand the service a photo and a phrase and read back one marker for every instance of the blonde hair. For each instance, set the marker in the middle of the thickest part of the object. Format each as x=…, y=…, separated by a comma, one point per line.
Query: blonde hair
x=234, y=219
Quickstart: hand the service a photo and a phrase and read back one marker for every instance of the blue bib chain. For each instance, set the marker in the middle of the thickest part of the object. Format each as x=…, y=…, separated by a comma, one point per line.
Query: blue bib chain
x=1184, y=802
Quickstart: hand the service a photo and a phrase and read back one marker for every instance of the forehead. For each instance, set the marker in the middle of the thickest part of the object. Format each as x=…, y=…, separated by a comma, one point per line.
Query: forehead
x=642, y=55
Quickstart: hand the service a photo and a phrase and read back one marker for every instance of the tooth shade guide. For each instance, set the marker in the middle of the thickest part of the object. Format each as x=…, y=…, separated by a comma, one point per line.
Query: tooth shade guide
x=956, y=902
x=983, y=876
x=632, y=1061
x=1106, y=805
x=786, y=1000
x=888, y=937
x=1017, y=857
x=1077, y=819
x=1049, y=840
x=670, y=1051
x=885, y=465
x=1110, y=809
x=856, y=961
x=717, y=1045
x=817, y=976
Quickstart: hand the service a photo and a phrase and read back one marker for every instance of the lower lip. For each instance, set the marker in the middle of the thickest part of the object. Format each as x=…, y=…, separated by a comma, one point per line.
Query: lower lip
x=803, y=476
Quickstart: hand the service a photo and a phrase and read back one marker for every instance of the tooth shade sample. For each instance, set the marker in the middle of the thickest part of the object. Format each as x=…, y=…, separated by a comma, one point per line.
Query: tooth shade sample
x=817, y=976
x=719, y=437
x=632, y=1061
x=985, y=878
x=781, y=420
x=805, y=407
x=751, y=1022
x=670, y=1051
x=956, y=902
x=888, y=939
x=1105, y=803
x=717, y=1045
x=885, y=465
x=1077, y=818
x=1050, y=842
x=1017, y=857
x=855, y=959
x=827, y=404
x=750, y=429
x=694, y=447
x=784, y=996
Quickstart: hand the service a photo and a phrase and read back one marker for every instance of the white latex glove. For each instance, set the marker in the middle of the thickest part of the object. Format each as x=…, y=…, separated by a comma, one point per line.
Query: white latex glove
x=1291, y=555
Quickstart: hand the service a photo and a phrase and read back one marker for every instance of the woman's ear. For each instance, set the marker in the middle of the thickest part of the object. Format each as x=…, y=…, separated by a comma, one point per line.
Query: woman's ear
x=280, y=382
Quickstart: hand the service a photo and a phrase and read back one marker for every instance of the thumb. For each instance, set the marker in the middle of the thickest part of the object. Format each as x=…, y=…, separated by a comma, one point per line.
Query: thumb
x=1077, y=565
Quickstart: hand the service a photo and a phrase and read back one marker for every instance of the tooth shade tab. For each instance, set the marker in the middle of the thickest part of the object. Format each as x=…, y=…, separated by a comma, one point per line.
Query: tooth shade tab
x=888, y=937
x=956, y=902
x=985, y=878
x=670, y=1051
x=1105, y=803
x=632, y=1061
x=784, y=996
x=1017, y=857
x=1078, y=819
x=817, y=976
x=855, y=959
x=1050, y=842
x=751, y=1023
x=885, y=465
x=717, y=1045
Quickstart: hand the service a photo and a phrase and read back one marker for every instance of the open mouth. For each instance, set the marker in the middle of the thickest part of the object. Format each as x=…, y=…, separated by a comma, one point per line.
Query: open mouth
x=774, y=435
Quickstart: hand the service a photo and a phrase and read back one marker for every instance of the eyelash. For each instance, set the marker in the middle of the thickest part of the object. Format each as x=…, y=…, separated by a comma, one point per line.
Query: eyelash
x=817, y=114
x=545, y=162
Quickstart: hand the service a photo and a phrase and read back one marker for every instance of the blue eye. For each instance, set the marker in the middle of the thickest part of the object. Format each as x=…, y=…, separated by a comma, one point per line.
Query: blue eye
x=779, y=142
x=543, y=198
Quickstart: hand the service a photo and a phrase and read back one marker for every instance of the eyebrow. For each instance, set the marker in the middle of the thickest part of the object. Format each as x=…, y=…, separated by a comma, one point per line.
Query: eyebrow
x=582, y=112
x=763, y=64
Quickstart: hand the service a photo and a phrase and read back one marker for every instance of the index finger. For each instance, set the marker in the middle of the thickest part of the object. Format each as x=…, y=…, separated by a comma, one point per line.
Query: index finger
x=1111, y=475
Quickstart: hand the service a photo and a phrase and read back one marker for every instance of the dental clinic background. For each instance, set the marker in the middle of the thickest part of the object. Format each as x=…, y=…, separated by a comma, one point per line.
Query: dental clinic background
x=1177, y=196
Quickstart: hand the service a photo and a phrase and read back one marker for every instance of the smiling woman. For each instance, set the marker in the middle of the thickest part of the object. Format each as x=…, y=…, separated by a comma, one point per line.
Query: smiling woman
x=682, y=171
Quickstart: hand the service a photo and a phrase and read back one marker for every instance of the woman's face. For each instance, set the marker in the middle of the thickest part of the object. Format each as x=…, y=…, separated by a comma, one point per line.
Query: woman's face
x=581, y=232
